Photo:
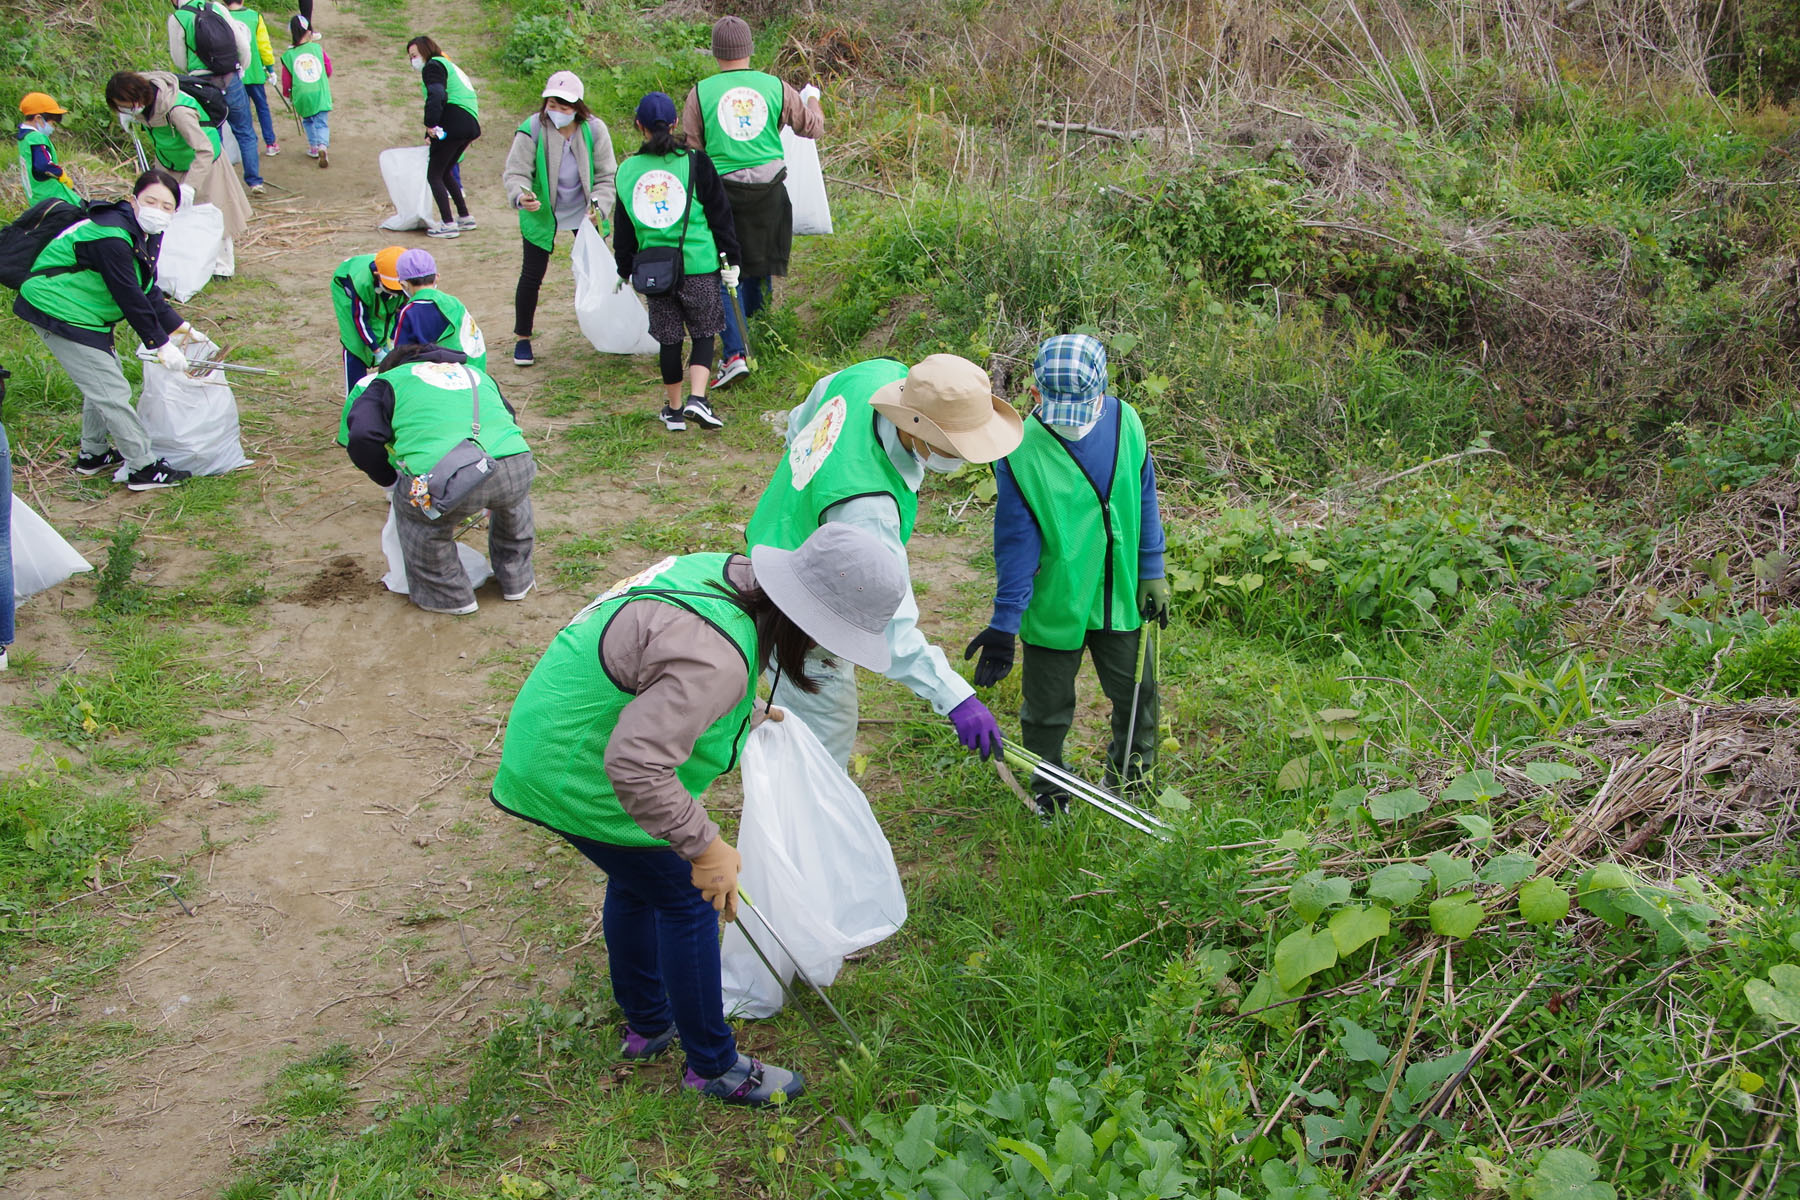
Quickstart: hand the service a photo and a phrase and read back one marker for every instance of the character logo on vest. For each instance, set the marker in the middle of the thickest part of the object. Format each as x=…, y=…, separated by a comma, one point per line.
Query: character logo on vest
x=309, y=68
x=647, y=575
x=814, y=443
x=473, y=344
x=658, y=199
x=742, y=113
x=452, y=377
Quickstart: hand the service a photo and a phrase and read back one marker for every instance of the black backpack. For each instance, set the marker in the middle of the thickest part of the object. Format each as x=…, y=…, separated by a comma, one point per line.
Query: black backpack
x=208, y=95
x=25, y=239
x=213, y=40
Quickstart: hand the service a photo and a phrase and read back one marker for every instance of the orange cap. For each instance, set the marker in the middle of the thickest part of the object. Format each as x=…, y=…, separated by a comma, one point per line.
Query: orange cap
x=387, y=267
x=37, y=104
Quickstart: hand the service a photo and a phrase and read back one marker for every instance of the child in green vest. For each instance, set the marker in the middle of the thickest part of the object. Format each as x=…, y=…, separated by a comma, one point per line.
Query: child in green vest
x=306, y=80
x=42, y=177
x=1078, y=550
x=434, y=318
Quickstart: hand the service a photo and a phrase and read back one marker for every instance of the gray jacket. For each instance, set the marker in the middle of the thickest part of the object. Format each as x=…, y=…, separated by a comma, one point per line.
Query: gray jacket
x=596, y=176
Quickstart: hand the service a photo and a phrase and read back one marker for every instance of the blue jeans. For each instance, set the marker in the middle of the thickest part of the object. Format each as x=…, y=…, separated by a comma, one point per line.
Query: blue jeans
x=243, y=126
x=318, y=130
x=662, y=946
x=6, y=570
x=259, y=100
x=753, y=290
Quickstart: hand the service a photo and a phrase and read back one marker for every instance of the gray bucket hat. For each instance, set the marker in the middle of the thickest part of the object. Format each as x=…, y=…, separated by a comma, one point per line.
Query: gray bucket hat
x=842, y=586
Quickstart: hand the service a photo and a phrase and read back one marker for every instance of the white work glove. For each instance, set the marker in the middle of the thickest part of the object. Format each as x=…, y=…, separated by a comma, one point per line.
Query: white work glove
x=809, y=92
x=436, y=131
x=184, y=334
x=170, y=356
x=729, y=274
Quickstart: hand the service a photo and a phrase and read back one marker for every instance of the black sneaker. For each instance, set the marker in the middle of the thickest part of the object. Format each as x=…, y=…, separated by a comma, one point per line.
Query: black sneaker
x=158, y=474
x=1050, y=804
x=697, y=408
x=522, y=353
x=671, y=418
x=93, y=464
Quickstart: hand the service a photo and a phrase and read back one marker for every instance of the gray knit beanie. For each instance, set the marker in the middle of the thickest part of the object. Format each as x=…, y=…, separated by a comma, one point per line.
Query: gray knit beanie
x=731, y=39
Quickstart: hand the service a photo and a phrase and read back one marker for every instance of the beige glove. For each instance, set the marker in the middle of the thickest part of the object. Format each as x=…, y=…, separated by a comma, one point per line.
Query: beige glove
x=716, y=875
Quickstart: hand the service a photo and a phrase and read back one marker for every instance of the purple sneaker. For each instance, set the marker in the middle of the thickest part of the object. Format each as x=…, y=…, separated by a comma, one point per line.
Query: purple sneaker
x=638, y=1048
x=749, y=1082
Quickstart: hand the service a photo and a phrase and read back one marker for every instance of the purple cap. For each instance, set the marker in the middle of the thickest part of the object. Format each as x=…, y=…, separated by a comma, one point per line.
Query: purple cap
x=655, y=109
x=416, y=264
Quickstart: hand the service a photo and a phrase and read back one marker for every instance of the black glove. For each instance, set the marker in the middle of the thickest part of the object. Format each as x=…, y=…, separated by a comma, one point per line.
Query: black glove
x=996, y=663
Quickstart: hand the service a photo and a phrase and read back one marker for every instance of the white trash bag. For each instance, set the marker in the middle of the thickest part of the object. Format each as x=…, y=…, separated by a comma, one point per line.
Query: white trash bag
x=474, y=563
x=40, y=557
x=192, y=422
x=193, y=249
x=815, y=862
x=612, y=318
x=805, y=183
x=403, y=170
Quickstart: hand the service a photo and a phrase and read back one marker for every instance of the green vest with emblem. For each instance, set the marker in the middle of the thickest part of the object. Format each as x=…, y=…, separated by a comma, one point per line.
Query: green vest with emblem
x=381, y=305
x=311, y=86
x=539, y=228
x=77, y=296
x=836, y=456
x=40, y=189
x=657, y=191
x=1087, y=573
x=741, y=111
x=255, y=70
x=552, y=769
x=433, y=411
x=461, y=333
x=457, y=88
x=172, y=150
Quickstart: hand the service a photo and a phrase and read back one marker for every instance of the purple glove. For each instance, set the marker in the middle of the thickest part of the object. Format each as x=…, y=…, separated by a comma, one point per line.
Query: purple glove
x=976, y=728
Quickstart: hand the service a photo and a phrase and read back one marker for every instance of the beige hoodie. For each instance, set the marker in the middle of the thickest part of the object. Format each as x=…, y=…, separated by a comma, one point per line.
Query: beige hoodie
x=213, y=179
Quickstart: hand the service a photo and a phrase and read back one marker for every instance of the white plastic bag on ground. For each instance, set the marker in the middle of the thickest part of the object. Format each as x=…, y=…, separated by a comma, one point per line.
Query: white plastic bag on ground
x=815, y=862
x=805, y=183
x=612, y=318
x=403, y=170
x=192, y=422
x=40, y=557
x=193, y=249
x=474, y=563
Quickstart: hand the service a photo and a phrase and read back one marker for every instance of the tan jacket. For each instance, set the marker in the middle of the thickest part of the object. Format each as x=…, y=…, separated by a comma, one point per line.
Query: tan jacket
x=596, y=175
x=213, y=179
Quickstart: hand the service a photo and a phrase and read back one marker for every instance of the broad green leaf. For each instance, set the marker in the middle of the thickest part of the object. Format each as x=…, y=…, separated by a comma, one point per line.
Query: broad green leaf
x=1508, y=870
x=1605, y=877
x=1106, y=1135
x=1778, y=999
x=1450, y=871
x=1031, y=1153
x=915, y=1149
x=1292, y=839
x=1396, y=806
x=1443, y=579
x=1455, y=916
x=1063, y=1102
x=1313, y=893
x=1122, y=343
x=1329, y=715
x=1549, y=774
x=1173, y=799
x=1471, y=786
x=1345, y=801
x=1542, y=902
x=1352, y=927
x=1399, y=883
x=1480, y=828
x=1267, y=991
x=1301, y=955
x=1073, y=1145
x=1297, y=773
x=1359, y=1045
x=1749, y=1081
x=1565, y=1174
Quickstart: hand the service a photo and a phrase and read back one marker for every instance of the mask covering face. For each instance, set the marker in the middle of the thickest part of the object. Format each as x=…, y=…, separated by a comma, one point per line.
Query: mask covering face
x=943, y=464
x=153, y=220
x=562, y=120
x=128, y=115
x=1074, y=433
x=418, y=64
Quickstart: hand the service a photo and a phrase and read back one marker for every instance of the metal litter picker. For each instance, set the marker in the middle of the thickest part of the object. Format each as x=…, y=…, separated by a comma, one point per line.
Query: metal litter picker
x=856, y=1041
x=1110, y=803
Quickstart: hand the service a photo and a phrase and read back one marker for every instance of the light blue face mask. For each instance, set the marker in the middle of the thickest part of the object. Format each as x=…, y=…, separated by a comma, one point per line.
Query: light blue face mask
x=943, y=464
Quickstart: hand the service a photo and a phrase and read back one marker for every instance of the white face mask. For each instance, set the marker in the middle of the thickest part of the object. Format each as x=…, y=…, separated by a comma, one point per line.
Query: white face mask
x=48, y=128
x=418, y=64
x=128, y=115
x=1074, y=433
x=153, y=220
x=562, y=120
x=943, y=464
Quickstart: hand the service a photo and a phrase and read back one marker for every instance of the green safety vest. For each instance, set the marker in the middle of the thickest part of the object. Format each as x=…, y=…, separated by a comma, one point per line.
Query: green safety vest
x=433, y=410
x=462, y=333
x=1087, y=573
x=742, y=114
x=185, y=15
x=382, y=305
x=656, y=194
x=255, y=71
x=553, y=766
x=41, y=189
x=312, y=87
x=172, y=150
x=539, y=228
x=457, y=88
x=77, y=296
x=836, y=456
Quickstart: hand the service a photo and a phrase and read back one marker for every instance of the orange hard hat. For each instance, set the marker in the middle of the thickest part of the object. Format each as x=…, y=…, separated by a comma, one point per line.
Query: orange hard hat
x=387, y=267
x=36, y=104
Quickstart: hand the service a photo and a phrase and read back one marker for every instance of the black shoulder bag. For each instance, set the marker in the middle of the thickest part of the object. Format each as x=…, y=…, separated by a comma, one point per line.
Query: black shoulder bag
x=456, y=474
x=657, y=270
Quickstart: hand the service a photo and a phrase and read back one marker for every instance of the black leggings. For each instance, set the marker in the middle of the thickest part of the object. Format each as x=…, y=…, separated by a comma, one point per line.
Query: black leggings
x=669, y=357
x=443, y=155
x=531, y=278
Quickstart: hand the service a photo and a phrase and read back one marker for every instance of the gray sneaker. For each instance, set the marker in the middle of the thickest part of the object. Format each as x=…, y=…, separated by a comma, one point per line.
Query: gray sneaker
x=748, y=1082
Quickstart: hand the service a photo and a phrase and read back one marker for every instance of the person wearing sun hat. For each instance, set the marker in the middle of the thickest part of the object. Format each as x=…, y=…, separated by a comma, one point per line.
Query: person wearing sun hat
x=42, y=177
x=1078, y=551
x=366, y=295
x=559, y=174
x=857, y=451
x=642, y=701
x=433, y=317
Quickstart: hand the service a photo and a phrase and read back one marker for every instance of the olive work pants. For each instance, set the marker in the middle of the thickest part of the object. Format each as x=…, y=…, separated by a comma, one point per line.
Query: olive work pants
x=1047, y=684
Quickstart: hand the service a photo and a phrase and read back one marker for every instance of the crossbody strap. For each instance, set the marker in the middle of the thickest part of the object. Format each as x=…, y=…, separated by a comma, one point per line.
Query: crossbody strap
x=475, y=401
x=686, y=212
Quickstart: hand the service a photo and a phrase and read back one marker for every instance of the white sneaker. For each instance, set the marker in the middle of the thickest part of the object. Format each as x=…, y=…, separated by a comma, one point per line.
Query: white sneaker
x=519, y=595
x=465, y=222
x=447, y=230
x=464, y=611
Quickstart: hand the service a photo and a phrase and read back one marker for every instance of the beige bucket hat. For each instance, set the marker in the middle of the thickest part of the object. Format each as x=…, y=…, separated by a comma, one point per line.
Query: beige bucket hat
x=948, y=401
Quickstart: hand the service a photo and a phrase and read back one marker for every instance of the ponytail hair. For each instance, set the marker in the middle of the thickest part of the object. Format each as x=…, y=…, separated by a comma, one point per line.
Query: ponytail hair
x=659, y=139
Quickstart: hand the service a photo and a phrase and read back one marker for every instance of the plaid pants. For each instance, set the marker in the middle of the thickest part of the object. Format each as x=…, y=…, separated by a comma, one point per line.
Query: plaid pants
x=434, y=575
